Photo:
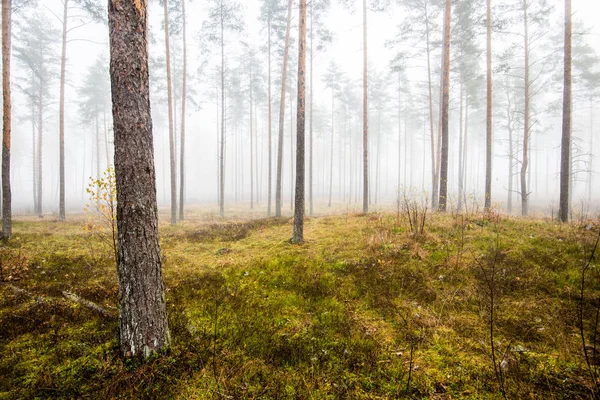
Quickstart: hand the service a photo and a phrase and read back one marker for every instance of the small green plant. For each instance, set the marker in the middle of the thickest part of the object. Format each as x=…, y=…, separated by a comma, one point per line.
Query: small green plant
x=102, y=208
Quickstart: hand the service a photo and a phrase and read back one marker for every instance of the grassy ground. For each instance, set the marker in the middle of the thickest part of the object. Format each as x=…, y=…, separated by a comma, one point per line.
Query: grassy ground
x=363, y=309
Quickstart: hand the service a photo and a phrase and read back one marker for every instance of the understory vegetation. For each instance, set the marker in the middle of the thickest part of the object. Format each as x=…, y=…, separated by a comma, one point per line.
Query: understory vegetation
x=473, y=306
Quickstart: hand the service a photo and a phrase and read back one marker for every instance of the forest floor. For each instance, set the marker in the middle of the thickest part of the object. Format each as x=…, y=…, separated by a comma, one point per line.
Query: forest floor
x=363, y=309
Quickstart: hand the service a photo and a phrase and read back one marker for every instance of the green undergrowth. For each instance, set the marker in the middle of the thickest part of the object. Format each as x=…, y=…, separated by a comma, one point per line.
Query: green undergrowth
x=362, y=309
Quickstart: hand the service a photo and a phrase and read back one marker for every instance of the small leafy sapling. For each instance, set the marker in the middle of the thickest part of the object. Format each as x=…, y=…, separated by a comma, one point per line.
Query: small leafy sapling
x=102, y=209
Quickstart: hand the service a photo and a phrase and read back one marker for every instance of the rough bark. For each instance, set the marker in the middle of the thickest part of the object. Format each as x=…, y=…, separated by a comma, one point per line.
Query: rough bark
x=365, y=115
x=183, y=101
x=172, y=155
x=445, y=108
x=278, y=194
x=488, y=116
x=298, y=235
x=565, y=149
x=143, y=319
x=6, y=121
x=61, y=113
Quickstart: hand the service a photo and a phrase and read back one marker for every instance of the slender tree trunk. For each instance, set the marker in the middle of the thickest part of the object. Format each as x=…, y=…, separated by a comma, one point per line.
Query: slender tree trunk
x=251, y=146
x=488, y=117
x=98, y=169
x=291, y=150
x=183, y=102
x=331, y=147
x=434, y=180
x=525, y=163
x=511, y=154
x=310, y=167
x=6, y=120
x=143, y=318
x=222, y=149
x=459, y=205
x=298, y=235
x=61, y=116
x=278, y=195
x=34, y=158
x=591, y=153
x=445, y=108
x=270, y=106
x=39, y=149
x=365, y=115
x=565, y=159
x=399, y=131
x=172, y=144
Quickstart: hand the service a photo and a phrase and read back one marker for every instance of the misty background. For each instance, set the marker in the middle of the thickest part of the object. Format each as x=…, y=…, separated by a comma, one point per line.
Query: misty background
x=399, y=140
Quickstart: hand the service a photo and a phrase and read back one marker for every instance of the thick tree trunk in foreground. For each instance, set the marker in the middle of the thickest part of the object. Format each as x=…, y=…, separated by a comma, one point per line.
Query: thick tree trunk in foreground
x=445, y=108
x=61, y=116
x=278, y=195
x=565, y=149
x=365, y=115
x=298, y=236
x=172, y=155
x=6, y=120
x=488, y=117
x=143, y=318
x=183, y=101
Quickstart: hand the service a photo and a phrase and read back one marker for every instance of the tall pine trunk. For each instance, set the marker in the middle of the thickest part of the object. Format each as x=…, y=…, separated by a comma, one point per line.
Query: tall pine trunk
x=365, y=115
x=6, y=120
x=445, y=108
x=488, y=117
x=269, y=122
x=298, y=234
x=565, y=153
x=222, y=147
x=310, y=162
x=143, y=318
x=39, y=149
x=278, y=194
x=172, y=151
x=183, y=101
x=331, y=147
x=61, y=116
x=525, y=161
x=434, y=177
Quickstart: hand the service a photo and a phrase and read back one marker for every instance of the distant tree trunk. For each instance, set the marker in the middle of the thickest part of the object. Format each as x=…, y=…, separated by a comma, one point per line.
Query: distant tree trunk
x=291, y=150
x=34, y=158
x=143, y=318
x=172, y=144
x=434, y=177
x=6, y=120
x=591, y=152
x=183, y=101
x=488, y=117
x=565, y=159
x=270, y=106
x=278, y=195
x=445, y=108
x=251, y=147
x=61, y=116
x=365, y=115
x=222, y=149
x=399, y=130
x=331, y=147
x=98, y=169
x=459, y=205
x=39, y=149
x=525, y=163
x=298, y=235
x=217, y=150
x=310, y=167
x=511, y=154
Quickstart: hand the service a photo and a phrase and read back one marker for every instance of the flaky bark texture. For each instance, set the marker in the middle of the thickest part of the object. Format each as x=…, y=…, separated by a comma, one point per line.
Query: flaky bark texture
x=488, y=117
x=278, y=195
x=445, y=108
x=298, y=236
x=6, y=121
x=565, y=152
x=365, y=115
x=61, y=113
x=143, y=318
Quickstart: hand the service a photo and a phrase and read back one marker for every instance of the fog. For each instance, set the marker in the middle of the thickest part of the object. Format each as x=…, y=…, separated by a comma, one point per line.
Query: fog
x=399, y=120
